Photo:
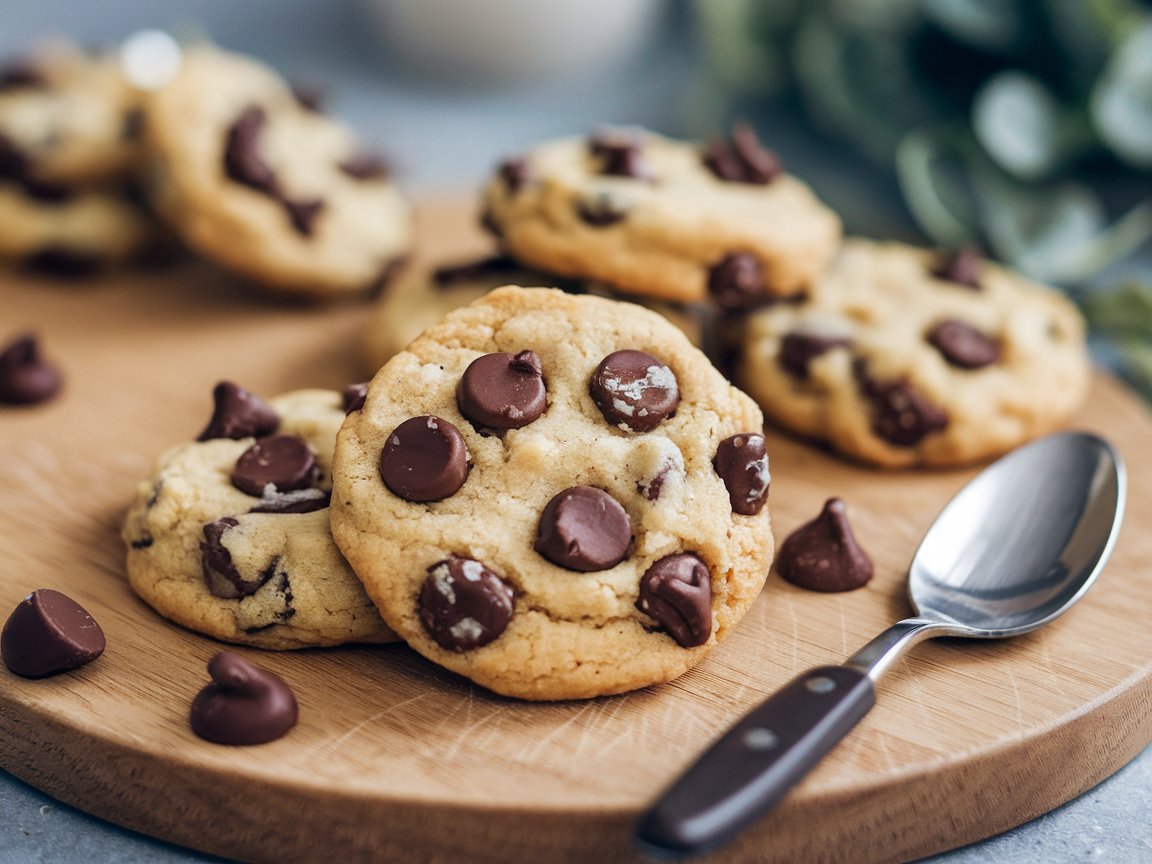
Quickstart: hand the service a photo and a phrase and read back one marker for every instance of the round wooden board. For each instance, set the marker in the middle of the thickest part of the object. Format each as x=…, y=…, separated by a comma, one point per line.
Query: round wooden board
x=395, y=760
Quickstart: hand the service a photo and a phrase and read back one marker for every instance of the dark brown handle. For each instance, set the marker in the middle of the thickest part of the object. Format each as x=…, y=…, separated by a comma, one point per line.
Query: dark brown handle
x=756, y=761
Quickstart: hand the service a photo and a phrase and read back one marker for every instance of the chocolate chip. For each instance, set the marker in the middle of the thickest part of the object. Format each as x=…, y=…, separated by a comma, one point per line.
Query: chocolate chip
x=49, y=632
x=677, y=592
x=142, y=542
x=285, y=462
x=823, y=555
x=365, y=166
x=238, y=414
x=634, y=390
x=389, y=270
x=584, y=529
x=302, y=214
x=742, y=159
x=65, y=263
x=354, y=396
x=741, y=461
x=737, y=282
x=21, y=73
x=602, y=210
x=798, y=350
x=963, y=345
x=443, y=277
x=488, y=223
x=220, y=573
x=652, y=489
x=46, y=192
x=309, y=97
x=297, y=501
x=13, y=162
x=243, y=705
x=463, y=604
x=242, y=160
x=515, y=173
x=502, y=391
x=619, y=156
x=424, y=459
x=961, y=267
x=900, y=415
x=26, y=378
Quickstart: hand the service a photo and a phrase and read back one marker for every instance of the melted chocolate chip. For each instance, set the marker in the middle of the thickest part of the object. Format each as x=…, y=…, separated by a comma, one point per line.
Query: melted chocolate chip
x=298, y=501
x=634, y=390
x=19, y=74
x=26, y=378
x=502, y=391
x=798, y=350
x=464, y=605
x=302, y=214
x=453, y=274
x=365, y=166
x=424, y=459
x=242, y=159
x=741, y=461
x=49, y=632
x=619, y=156
x=285, y=462
x=823, y=555
x=900, y=415
x=243, y=705
x=737, y=282
x=601, y=210
x=238, y=414
x=64, y=262
x=742, y=159
x=963, y=345
x=515, y=173
x=961, y=267
x=354, y=396
x=677, y=592
x=220, y=573
x=584, y=529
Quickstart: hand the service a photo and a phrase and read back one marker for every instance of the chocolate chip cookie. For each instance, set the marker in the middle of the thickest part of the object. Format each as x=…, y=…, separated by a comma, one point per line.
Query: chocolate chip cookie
x=662, y=218
x=900, y=356
x=556, y=496
x=254, y=177
x=230, y=535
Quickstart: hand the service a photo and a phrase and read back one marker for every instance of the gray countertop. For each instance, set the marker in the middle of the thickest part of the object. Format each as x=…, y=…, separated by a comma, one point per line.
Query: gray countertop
x=445, y=137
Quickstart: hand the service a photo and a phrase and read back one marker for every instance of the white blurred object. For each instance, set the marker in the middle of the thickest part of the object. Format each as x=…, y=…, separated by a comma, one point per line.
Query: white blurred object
x=150, y=59
x=513, y=40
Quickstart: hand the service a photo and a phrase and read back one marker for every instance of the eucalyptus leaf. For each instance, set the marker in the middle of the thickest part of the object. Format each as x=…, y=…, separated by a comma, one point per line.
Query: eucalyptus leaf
x=933, y=181
x=1136, y=360
x=1125, y=310
x=994, y=25
x=744, y=41
x=1019, y=123
x=1122, y=101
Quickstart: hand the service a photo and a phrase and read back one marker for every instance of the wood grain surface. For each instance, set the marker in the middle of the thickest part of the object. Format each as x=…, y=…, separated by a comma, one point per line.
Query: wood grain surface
x=394, y=760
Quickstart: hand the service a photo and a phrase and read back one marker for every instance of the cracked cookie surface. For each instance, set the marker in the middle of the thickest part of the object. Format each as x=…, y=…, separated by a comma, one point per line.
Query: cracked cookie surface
x=583, y=543
x=201, y=552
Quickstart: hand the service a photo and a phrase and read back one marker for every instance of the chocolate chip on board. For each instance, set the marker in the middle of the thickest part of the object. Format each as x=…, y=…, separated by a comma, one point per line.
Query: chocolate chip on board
x=737, y=282
x=676, y=591
x=243, y=704
x=742, y=159
x=798, y=350
x=47, y=633
x=741, y=461
x=284, y=462
x=463, y=604
x=900, y=414
x=502, y=391
x=26, y=378
x=634, y=390
x=243, y=161
x=963, y=345
x=238, y=414
x=584, y=529
x=424, y=459
x=823, y=555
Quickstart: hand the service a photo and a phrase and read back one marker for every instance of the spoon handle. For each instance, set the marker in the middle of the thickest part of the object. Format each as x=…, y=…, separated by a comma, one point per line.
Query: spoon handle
x=756, y=761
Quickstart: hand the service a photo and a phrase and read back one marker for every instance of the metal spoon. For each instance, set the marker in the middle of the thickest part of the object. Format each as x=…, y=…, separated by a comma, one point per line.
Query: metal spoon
x=1012, y=551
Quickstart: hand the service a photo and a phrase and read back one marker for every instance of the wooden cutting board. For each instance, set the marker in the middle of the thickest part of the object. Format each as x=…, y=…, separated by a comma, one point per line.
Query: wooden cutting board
x=394, y=760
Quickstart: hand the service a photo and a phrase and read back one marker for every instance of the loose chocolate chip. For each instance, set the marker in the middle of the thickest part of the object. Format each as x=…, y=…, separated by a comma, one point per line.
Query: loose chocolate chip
x=26, y=378
x=742, y=463
x=285, y=462
x=65, y=263
x=443, y=277
x=49, y=632
x=21, y=73
x=242, y=160
x=619, y=156
x=463, y=604
x=220, y=573
x=502, y=391
x=424, y=459
x=302, y=214
x=798, y=350
x=651, y=490
x=961, y=267
x=677, y=592
x=365, y=166
x=823, y=555
x=515, y=173
x=243, y=705
x=298, y=501
x=900, y=415
x=354, y=396
x=238, y=414
x=601, y=210
x=634, y=390
x=584, y=529
x=963, y=345
x=742, y=159
x=737, y=282
x=309, y=97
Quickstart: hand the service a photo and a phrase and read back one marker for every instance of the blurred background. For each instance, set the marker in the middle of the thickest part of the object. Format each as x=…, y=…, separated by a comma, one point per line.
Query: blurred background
x=1021, y=126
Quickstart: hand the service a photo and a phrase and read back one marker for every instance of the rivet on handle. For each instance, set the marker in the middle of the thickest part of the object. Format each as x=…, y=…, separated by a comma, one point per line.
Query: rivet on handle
x=820, y=684
x=759, y=738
